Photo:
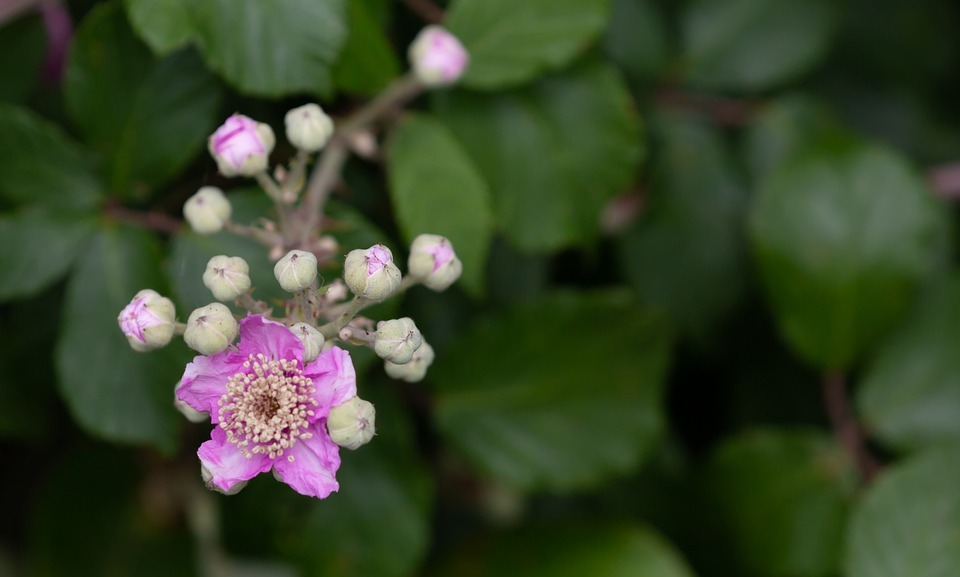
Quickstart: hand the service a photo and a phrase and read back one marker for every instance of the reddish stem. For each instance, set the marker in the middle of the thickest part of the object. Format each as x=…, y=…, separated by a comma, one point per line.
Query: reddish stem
x=151, y=220
x=846, y=429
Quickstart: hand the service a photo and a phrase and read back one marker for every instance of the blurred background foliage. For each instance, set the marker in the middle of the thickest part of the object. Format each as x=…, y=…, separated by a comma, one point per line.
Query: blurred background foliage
x=708, y=323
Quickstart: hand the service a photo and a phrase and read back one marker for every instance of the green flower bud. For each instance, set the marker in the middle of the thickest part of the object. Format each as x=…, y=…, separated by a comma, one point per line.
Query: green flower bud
x=308, y=127
x=352, y=424
x=397, y=340
x=207, y=476
x=433, y=262
x=371, y=273
x=207, y=210
x=210, y=329
x=311, y=338
x=416, y=369
x=227, y=277
x=296, y=270
x=147, y=321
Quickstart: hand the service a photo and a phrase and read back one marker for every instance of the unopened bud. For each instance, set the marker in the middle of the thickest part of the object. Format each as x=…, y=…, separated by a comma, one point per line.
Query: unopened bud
x=416, y=369
x=352, y=424
x=296, y=270
x=433, y=262
x=311, y=338
x=308, y=127
x=147, y=321
x=437, y=57
x=210, y=329
x=241, y=146
x=371, y=273
x=397, y=340
x=207, y=476
x=227, y=277
x=207, y=211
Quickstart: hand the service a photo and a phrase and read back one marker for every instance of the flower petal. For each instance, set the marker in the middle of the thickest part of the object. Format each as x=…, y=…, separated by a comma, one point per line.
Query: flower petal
x=261, y=336
x=204, y=381
x=313, y=470
x=334, y=379
x=227, y=465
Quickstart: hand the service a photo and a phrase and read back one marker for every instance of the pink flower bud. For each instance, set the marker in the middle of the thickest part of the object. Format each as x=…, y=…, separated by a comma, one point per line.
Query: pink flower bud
x=437, y=57
x=433, y=262
x=147, y=321
x=241, y=146
x=371, y=273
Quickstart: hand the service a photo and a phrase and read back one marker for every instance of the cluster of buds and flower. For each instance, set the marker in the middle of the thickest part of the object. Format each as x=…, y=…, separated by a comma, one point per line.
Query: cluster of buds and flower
x=283, y=397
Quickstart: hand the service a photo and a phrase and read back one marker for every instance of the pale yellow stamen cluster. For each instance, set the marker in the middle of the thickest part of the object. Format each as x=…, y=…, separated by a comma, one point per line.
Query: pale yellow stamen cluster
x=267, y=406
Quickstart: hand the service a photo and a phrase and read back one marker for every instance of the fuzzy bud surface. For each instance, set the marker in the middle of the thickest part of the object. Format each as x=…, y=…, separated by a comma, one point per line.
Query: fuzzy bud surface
x=227, y=277
x=352, y=424
x=210, y=329
x=371, y=273
x=308, y=127
x=147, y=321
x=296, y=270
x=241, y=146
x=433, y=262
x=416, y=369
x=437, y=57
x=397, y=340
x=311, y=338
x=208, y=210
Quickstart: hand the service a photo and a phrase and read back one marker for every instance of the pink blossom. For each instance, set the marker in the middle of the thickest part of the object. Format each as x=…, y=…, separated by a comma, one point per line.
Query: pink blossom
x=437, y=57
x=270, y=408
x=236, y=140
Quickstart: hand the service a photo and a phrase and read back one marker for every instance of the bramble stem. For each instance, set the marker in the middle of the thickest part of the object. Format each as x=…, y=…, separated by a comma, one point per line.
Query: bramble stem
x=332, y=328
x=846, y=429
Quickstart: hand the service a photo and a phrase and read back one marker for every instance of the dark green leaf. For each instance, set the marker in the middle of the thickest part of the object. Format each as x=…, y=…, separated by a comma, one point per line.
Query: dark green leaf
x=22, y=47
x=532, y=405
x=148, y=118
x=552, y=153
x=783, y=498
x=908, y=522
x=436, y=189
x=636, y=39
x=42, y=165
x=512, y=42
x=687, y=253
x=367, y=63
x=842, y=237
x=37, y=247
x=910, y=396
x=569, y=550
x=754, y=44
x=112, y=391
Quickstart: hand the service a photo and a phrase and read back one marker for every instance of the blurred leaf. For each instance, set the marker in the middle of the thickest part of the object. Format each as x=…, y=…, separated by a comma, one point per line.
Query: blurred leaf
x=367, y=62
x=783, y=496
x=42, y=165
x=266, y=48
x=750, y=45
x=533, y=406
x=148, y=118
x=686, y=254
x=569, y=550
x=910, y=394
x=436, y=189
x=37, y=248
x=512, y=42
x=23, y=44
x=908, y=522
x=112, y=391
x=785, y=128
x=842, y=238
x=164, y=25
x=636, y=39
x=553, y=153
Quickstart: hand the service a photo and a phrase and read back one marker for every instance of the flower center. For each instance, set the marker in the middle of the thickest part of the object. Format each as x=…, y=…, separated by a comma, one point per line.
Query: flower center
x=267, y=406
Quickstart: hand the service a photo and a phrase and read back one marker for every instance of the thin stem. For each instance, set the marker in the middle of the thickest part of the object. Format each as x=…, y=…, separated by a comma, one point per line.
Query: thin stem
x=264, y=237
x=203, y=517
x=332, y=328
x=293, y=183
x=156, y=221
x=846, y=429
x=256, y=307
x=357, y=336
x=425, y=9
x=269, y=186
x=306, y=301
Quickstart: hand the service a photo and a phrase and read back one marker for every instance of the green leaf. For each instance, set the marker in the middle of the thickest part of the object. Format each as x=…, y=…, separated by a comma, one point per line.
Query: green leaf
x=436, y=189
x=842, y=238
x=751, y=45
x=553, y=153
x=636, y=40
x=112, y=391
x=513, y=42
x=687, y=254
x=164, y=25
x=783, y=497
x=910, y=394
x=569, y=550
x=23, y=44
x=147, y=118
x=367, y=62
x=40, y=164
x=37, y=248
x=908, y=522
x=533, y=406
